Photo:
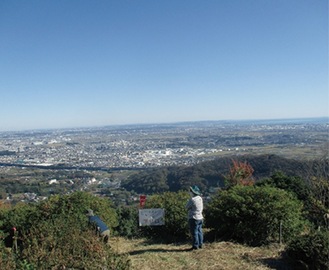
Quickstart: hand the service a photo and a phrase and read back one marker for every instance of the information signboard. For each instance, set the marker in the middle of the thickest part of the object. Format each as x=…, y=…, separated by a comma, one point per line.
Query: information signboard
x=151, y=217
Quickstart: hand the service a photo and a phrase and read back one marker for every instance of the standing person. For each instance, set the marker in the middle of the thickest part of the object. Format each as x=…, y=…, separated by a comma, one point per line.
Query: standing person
x=101, y=228
x=195, y=217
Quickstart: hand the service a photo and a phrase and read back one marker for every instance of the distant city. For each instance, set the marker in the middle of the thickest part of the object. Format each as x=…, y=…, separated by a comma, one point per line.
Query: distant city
x=153, y=145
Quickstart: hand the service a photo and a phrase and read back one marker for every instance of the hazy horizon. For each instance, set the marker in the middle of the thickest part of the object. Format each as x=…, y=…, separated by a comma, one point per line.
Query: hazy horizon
x=254, y=121
x=79, y=63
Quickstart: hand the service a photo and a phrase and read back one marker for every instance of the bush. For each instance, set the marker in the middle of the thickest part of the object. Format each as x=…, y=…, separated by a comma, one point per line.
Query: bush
x=128, y=221
x=24, y=216
x=176, y=226
x=7, y=258
x=314, y=209
x=54, y=234
x=312, y=249
x=293, y=184
x=61, y=245
x=252, y=215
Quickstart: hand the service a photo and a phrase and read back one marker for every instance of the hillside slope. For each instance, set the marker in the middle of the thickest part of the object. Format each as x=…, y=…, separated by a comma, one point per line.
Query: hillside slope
x=210, y=174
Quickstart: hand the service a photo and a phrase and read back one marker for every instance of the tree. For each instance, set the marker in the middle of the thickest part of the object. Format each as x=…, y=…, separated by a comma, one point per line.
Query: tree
x=240, y=173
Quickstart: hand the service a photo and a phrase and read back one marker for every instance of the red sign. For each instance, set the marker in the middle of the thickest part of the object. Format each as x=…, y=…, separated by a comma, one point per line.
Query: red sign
x=142, y=200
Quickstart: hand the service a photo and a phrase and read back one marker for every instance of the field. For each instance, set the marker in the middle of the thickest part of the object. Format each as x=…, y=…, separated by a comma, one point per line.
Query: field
x=217, y=255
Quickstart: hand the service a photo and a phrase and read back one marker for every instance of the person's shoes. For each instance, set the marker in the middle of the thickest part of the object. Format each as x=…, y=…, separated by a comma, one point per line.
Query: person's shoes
x=200, y=246
x=192, y=248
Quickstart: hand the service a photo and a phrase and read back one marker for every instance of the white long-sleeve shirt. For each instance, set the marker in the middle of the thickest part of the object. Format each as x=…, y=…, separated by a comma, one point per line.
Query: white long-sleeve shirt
x=195, y=208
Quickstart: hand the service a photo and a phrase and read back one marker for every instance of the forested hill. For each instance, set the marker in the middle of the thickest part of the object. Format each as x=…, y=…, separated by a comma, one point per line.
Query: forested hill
x=211, y=174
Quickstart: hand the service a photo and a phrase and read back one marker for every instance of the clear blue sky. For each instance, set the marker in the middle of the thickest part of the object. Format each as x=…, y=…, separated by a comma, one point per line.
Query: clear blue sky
x=92, y=63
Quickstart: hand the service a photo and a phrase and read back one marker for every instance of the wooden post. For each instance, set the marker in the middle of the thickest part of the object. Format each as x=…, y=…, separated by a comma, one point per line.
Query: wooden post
x=280, y=235
x=15, y=236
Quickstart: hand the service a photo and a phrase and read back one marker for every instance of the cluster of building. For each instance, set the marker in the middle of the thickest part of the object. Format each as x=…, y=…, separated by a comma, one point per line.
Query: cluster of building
x=107, y=151
x=153, y=145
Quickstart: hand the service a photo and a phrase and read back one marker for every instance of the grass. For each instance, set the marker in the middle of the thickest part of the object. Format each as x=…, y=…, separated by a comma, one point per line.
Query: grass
x=217, y=255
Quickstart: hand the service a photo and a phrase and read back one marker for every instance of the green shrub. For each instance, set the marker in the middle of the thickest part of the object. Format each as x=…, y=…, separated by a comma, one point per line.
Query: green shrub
x=7, y=258
x=55, y=234
x=293, y=184
x=62, y=245
x=24, y=216
x=252, y=215
x=314, y=209
x=312, y=249
x=128, y=221
x=176, y=226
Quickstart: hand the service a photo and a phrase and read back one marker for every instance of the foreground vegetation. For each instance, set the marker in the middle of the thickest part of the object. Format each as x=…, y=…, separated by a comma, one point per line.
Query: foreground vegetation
x=249, y=224
x=54, y=234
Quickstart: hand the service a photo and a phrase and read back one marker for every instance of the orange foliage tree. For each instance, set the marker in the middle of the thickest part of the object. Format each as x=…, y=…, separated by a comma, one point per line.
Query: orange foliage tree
x=241, y=173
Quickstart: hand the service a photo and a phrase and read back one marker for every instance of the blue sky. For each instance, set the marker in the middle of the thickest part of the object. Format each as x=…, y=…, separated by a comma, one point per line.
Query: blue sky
x=91, y=63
